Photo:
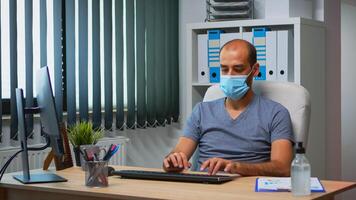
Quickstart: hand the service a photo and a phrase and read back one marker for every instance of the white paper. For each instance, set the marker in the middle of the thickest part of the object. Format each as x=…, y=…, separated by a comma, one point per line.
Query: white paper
x=273, y=183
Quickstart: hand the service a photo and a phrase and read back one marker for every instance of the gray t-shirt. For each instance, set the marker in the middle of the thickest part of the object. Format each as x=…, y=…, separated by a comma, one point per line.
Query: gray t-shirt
x=247, y=138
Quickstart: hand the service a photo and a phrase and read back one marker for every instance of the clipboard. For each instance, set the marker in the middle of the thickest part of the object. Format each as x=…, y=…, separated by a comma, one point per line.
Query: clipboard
x=283, y=184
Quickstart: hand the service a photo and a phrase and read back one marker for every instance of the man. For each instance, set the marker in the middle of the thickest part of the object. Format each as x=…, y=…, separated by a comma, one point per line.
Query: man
x=243, y=133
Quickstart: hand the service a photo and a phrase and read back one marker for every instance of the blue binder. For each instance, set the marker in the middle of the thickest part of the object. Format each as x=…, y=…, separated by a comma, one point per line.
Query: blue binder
x=259, y=41
x=214, y=55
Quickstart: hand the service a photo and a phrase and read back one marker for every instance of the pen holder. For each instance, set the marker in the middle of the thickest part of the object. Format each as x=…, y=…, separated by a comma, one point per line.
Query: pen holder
x=90, y=150
x=96, y=174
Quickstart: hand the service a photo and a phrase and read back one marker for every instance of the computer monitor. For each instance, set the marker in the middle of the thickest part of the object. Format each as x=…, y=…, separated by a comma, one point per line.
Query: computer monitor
x=48, y=113
x=49, y=126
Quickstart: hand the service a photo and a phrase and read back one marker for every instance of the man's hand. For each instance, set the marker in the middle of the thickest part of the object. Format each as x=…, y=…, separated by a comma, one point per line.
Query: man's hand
x=176, y=162
x=218, y=164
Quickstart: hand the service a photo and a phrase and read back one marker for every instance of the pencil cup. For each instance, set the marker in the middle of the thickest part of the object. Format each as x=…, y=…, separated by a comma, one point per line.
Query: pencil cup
x=90, y=151
x=96, y=174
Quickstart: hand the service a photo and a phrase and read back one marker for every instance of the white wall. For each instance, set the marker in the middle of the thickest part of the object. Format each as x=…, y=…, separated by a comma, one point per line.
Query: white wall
x=189, y=12
x=333, y=89
x=318, y=10
x=348, y=93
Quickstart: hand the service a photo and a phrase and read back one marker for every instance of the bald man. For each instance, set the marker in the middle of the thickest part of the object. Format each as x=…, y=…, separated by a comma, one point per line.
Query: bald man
x=242, y=133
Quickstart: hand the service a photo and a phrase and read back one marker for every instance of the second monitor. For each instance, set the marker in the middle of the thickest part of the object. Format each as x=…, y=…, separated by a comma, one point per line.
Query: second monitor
x=49, y=126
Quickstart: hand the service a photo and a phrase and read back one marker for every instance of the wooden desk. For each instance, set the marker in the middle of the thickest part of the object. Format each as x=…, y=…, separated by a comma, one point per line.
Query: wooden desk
x=241, y=188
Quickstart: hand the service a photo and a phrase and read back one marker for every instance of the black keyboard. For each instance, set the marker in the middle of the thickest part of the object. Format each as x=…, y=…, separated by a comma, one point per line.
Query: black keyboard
x=169, y=176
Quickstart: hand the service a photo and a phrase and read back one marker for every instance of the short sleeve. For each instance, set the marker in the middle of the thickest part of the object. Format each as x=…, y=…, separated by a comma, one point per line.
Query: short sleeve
x=192, y=128
x=282, y=125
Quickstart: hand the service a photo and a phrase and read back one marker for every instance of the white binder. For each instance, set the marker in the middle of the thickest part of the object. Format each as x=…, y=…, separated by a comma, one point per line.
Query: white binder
x=271, y=55
x=226, y=37
x=213, y=55
x=285, y=56
x=259, y=41
x=203, y=68
x=247, y=36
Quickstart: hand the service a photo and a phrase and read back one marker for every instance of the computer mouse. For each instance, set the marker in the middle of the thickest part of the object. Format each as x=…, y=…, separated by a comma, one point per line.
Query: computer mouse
x=110, y=171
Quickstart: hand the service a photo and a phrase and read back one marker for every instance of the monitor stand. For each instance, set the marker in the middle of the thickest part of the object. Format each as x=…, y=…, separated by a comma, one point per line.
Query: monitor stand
x=40, y=178
x=26, y=177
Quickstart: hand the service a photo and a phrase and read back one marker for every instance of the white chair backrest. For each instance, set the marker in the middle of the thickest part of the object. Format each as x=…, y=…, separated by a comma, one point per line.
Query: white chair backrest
x=292, y=96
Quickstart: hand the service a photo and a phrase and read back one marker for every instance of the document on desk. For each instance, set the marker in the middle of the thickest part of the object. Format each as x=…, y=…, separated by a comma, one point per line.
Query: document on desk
x=275, y=184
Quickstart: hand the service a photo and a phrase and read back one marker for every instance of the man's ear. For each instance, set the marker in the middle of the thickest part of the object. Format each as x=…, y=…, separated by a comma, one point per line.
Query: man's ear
x=256, y=68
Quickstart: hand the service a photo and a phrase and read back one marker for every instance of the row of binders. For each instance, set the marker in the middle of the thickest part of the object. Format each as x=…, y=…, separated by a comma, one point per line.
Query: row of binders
x=275, y=53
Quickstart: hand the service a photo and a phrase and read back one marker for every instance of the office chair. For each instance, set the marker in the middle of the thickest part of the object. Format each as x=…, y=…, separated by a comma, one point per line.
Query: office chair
x=292, y=96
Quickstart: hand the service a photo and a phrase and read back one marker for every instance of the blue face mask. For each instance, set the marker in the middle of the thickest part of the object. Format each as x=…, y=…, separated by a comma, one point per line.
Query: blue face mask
x=234, y=86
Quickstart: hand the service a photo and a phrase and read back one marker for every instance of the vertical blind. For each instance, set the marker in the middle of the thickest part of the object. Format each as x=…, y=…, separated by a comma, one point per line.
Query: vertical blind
x=112, y=62
x=13, y=64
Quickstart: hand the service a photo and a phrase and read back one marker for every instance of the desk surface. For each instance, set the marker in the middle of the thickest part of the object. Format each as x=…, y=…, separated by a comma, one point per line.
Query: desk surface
x=240, y=188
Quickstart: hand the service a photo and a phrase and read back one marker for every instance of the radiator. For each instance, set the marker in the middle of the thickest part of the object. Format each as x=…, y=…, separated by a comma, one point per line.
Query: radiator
x=36, y=158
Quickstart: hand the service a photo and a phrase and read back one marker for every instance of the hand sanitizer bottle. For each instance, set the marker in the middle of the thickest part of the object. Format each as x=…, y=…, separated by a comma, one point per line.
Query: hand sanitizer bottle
x=300, y=173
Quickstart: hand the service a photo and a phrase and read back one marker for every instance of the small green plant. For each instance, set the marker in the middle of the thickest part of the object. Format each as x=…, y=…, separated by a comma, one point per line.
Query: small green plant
x=82, y=133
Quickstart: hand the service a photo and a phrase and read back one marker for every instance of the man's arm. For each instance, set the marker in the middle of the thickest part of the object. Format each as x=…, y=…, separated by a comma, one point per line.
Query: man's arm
x=281, y=158
x=279, y=165
x=177, y=159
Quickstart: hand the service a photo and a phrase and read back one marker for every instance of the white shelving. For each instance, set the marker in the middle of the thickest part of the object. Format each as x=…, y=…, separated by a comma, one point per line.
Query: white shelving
x=195, y=84
x=308, y=69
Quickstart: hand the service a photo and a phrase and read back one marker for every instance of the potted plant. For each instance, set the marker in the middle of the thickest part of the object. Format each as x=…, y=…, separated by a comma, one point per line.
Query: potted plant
x=83, y=133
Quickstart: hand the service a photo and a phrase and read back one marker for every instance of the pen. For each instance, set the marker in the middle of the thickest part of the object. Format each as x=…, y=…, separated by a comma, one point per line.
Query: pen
x=114, y=151
x=84, y=155
x=88, y=155
x=96, y=157
x=108, y=152
x=111, y=151
x=282, y=190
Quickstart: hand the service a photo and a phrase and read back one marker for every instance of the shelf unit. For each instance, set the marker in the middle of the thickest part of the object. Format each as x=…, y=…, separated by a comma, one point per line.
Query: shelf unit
x=308, y=69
